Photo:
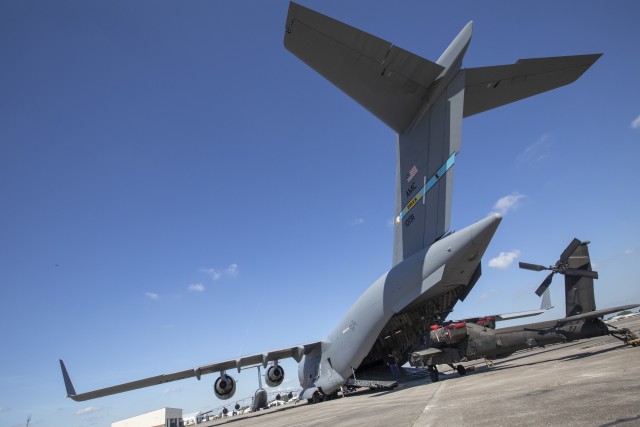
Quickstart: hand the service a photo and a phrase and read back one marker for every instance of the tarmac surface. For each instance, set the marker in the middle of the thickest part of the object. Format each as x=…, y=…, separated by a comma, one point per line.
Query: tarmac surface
x=593, y=382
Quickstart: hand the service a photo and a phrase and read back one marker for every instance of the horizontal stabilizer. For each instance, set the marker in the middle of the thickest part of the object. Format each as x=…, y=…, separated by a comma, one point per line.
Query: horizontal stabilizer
x=388, y=81
x=491, y=87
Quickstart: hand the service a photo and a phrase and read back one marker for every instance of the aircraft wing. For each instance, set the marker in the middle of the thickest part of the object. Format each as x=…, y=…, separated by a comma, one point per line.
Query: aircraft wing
x=491, y=87
x=596, y=313
x=295, y=352
x=388, y=81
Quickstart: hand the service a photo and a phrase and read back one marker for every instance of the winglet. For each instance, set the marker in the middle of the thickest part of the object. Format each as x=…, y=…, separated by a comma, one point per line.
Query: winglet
x=67, y=381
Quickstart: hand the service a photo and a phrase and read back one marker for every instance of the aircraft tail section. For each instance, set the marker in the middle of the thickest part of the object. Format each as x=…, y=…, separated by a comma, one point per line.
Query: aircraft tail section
x=426, y=154
x=579, y=294
x=421, y=100
x=424, y=102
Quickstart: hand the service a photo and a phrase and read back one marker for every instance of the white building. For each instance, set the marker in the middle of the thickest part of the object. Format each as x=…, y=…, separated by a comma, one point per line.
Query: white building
x=165, y=417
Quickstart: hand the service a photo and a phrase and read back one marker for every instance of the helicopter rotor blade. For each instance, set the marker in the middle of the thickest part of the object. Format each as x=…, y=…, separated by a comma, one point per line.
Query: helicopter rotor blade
x=569, y=251
x=534, y=267
x=545, y=284
x=580, y=273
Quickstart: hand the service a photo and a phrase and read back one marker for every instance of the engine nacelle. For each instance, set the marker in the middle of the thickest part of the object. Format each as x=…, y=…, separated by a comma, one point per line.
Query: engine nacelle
x=224, y=387
x=274, y=375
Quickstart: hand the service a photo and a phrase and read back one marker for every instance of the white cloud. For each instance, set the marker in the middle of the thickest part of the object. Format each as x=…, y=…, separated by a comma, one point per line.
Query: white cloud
x=539, y=150
x=152, y=295
x=89, y=410
x=504, y=260
x=357, y=221
x=508, y=203
x=3, y=410
x=171, y=390
x=636, y=123
x=214, y=274
x=232, y=270
x=196, y=287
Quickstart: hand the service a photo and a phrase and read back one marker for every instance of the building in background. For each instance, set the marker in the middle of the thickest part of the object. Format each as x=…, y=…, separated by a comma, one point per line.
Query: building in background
x=165, y=417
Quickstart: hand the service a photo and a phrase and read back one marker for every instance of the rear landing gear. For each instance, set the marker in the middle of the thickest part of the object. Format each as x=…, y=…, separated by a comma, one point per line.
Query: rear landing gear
x=461, y=370
x=625, y=335
x=315, y=398
x=318, y=397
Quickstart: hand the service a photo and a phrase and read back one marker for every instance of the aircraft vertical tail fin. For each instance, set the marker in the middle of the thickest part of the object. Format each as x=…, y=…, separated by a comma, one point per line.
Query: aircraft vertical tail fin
x=424, y=172
x=579, y=292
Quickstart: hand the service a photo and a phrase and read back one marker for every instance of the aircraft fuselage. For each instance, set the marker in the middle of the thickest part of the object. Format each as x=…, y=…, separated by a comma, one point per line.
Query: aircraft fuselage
x=448, y=262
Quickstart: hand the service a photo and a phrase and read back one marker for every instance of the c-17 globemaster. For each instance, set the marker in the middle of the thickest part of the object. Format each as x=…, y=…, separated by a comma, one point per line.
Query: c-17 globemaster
x=463, y=341
x=424, y=102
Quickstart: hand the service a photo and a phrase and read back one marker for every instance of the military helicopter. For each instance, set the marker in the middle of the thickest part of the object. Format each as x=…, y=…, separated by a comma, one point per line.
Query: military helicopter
x=472, y=339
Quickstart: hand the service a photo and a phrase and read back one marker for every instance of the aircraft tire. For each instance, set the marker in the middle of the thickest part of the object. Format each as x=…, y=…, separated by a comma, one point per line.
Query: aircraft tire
x=461, y=370
x=434, y=376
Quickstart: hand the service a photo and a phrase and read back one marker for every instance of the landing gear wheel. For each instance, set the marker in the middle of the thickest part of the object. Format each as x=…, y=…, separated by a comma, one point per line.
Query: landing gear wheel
x=433, y=373
x=461, y=370
x=316, y=397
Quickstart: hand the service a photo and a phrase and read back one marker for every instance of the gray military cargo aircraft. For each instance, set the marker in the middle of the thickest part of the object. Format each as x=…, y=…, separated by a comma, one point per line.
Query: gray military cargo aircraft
x=424, y=102
x=477, y=339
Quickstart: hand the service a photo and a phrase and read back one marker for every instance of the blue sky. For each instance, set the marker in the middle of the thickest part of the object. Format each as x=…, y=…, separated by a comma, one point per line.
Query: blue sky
x=178, y=189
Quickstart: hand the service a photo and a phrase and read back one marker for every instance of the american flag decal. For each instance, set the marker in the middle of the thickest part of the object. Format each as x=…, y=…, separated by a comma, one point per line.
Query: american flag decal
x=412, y=172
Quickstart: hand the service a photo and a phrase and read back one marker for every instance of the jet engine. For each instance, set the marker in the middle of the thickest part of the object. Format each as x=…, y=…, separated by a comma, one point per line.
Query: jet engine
x=274, y=375
x=224, y=387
